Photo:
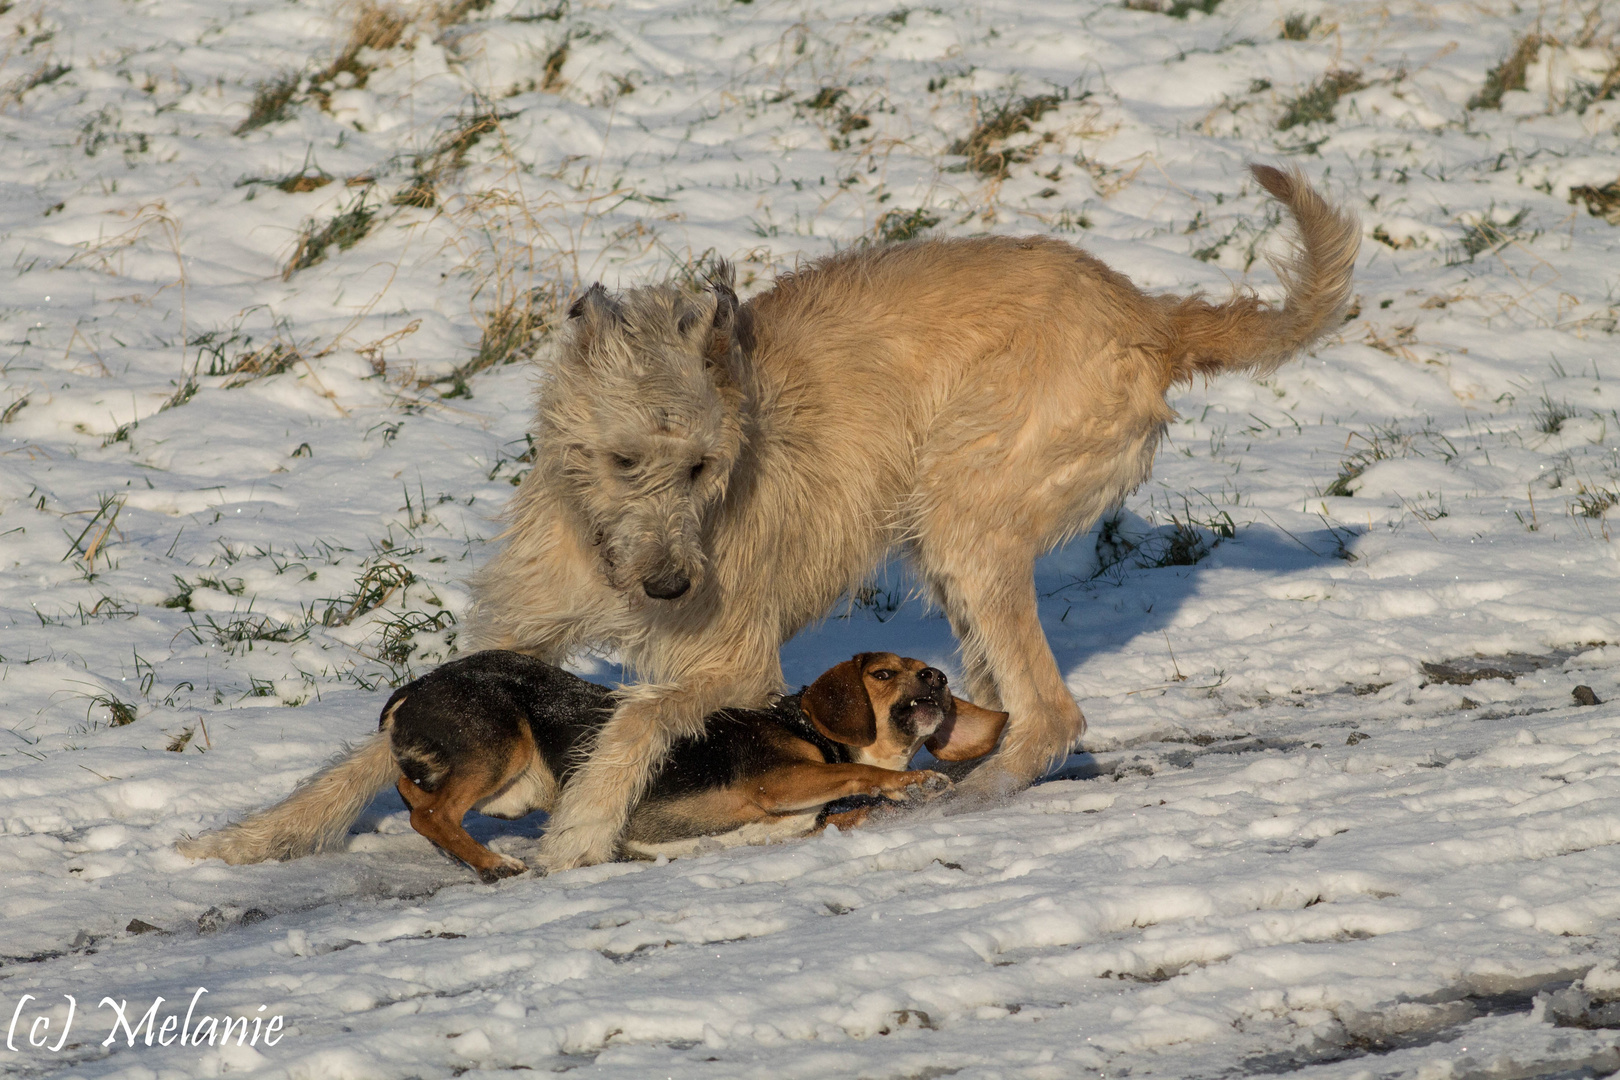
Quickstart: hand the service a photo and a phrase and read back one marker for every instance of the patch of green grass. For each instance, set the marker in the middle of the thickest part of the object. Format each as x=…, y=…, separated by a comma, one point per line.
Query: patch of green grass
x=900, y=225
x=119, y=713
x=1603, y=202
x=260, y=363
x=239, y=632
x=825, y=98
x=374, y=588
x=997, y=122
x=1488, y=235
x=1508, y=75
x=272, y=101
x=1594, y=502
x=446, y=157
x=344, y=230
x=1176, y=9
x=1387, y=444
x=1296, y=27
x=1549, y=419
x=551, y=79
x=1316, y=104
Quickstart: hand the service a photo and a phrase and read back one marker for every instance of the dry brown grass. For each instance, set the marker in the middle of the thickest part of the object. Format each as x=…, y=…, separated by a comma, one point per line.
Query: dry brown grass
x=1509, y=74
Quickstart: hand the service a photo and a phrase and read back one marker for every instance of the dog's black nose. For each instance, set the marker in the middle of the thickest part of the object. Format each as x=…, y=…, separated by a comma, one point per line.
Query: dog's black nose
x=667, y=588
x=931, y=676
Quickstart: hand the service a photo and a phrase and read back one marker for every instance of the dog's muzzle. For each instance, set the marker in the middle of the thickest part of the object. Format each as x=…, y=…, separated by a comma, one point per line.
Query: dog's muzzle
x=669, y=587
x=931, y=704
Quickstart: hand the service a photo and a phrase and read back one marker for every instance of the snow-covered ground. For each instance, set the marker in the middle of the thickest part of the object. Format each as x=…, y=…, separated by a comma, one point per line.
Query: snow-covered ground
x=257, y=424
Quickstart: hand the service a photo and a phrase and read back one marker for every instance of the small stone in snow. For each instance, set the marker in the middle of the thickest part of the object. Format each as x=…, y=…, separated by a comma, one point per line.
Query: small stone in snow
x=1584, y=696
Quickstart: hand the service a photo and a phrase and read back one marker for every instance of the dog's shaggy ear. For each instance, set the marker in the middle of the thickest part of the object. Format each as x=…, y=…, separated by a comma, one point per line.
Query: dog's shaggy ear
x=731, y=337
x=595, y=306
x=593, y=313
x=968, y=732
x=838, y=705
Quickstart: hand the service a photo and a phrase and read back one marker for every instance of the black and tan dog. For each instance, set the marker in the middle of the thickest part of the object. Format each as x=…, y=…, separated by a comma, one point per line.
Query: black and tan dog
x=502, y=733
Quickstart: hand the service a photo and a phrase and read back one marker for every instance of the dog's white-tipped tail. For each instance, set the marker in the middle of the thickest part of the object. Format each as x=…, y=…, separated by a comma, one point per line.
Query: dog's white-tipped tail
x=1246, y=334
x=314, y=817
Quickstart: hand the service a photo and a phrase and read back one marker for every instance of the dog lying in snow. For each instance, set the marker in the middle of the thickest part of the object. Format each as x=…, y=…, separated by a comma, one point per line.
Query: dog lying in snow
x=502, y=733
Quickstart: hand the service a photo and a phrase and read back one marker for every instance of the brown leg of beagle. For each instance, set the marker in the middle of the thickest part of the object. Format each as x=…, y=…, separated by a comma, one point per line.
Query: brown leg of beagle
x=437, y=815
x=846, y=819
x=804, y=785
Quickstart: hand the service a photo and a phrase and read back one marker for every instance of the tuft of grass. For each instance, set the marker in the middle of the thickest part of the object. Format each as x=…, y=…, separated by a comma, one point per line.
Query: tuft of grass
x=1594, y=502
x=1296, y=27
x=1386, y=444
x=239, y=632
x=261, y=363
x=184, y=392
x=9, y=413
x=997, y=122
x=1488, y=235
x=448, y=14
x=1549, y=419
x=304, y=180
x=119, y=713
x=272, y=101
x=1187, y=541
x=1603, y=202
x=377, y=27
x=513, y=332
x=178, y=744
x=900, y=225
x=551, y=80
x=554, y=13
x=446, y=157
x=825, y=98
x=344, y=230
x=1508, y=75
x=374, y=588
x=1316, y=104
x=1176, y=9
x=395, y=646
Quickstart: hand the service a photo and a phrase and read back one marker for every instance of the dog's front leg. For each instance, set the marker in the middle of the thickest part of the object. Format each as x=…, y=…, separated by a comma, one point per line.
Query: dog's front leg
x=595, y=803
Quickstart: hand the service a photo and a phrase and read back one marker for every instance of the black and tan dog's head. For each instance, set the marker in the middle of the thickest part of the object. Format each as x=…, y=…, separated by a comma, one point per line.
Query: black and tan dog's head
x=885, y=706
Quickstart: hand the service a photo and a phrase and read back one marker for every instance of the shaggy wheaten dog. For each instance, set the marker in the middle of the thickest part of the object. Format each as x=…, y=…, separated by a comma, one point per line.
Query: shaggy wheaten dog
x=712, y=476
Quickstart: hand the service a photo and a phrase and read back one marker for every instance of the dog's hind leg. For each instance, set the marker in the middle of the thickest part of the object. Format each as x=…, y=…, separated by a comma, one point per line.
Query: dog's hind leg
x=437, y=815
x=991, y=593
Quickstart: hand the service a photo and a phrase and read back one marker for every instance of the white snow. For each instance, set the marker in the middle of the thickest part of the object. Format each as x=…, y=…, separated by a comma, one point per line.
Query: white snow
x=1288, y=847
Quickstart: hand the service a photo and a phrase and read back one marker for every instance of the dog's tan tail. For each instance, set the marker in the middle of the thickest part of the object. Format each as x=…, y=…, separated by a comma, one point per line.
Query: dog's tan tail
x=1246, y=334
x=314, y=817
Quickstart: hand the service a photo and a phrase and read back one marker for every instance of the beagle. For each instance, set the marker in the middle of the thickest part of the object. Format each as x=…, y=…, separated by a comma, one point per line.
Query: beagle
x=501, y=732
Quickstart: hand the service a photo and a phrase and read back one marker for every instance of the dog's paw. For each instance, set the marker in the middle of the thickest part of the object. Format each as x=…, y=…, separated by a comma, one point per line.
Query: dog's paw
x=507, y=867
x=926, y=784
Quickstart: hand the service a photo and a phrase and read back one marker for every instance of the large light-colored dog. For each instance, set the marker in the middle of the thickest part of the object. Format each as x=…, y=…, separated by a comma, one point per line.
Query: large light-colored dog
x=712, y=476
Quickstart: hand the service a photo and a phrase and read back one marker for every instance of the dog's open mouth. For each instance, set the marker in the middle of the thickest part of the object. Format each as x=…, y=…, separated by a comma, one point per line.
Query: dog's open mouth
x=922, y=711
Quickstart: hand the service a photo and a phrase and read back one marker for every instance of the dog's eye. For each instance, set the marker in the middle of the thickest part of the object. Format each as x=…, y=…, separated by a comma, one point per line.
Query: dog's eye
x=881, y=674
x=697, y=470
x=624, y=463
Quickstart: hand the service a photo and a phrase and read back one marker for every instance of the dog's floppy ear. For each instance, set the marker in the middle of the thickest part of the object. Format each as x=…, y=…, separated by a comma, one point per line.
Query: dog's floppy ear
x=838, y=705
x=731, y=337
x=968, y=732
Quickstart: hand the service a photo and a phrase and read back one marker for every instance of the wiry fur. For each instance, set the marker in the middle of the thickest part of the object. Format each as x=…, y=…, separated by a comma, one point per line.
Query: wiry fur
x=316, y=816
x=973, y=402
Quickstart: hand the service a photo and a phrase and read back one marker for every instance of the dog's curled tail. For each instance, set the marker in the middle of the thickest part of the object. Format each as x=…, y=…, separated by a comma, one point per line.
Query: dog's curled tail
x=314, y=817
x=1246, y=334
